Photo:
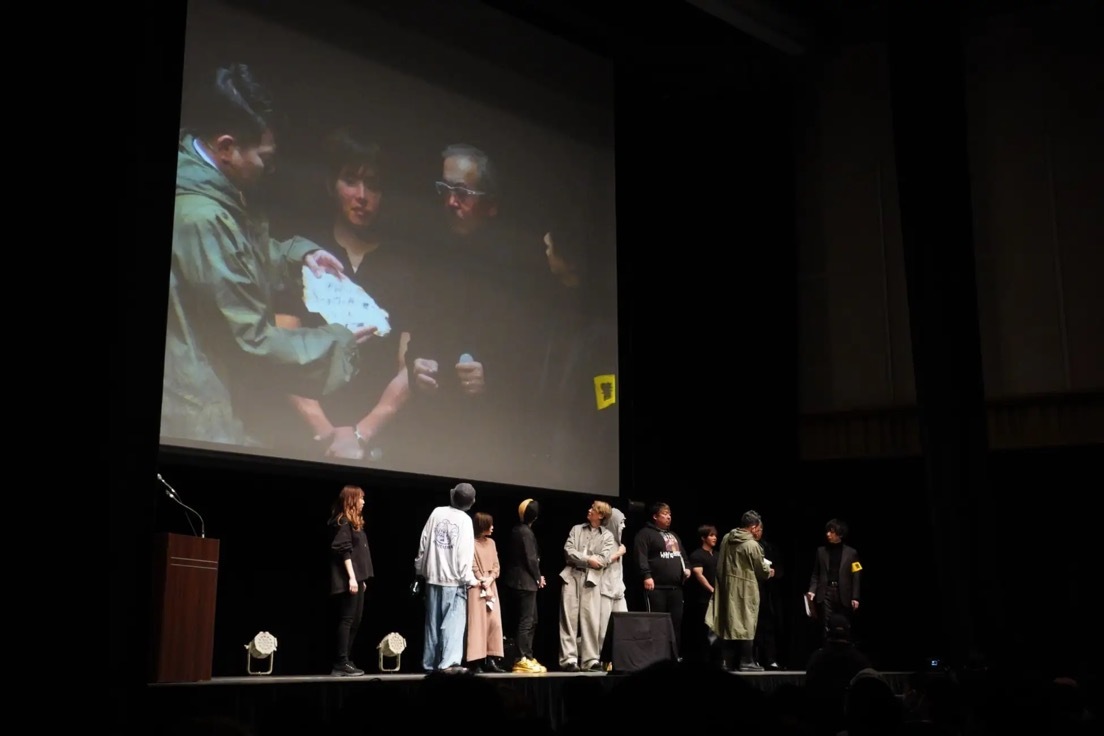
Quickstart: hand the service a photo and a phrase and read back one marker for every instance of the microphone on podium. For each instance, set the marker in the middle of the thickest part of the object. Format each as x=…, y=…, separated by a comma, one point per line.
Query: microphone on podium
x=169, y=490
x=171, y=493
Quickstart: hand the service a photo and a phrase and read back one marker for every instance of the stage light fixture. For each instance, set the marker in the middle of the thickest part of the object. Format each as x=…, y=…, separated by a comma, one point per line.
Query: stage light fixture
x=263, y=646
x=391, y=646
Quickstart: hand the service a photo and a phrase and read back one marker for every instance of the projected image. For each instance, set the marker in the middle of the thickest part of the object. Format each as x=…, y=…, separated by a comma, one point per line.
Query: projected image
x=371, y=269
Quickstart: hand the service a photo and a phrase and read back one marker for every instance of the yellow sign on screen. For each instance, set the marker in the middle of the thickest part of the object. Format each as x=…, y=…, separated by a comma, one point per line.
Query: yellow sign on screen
x=605, y=390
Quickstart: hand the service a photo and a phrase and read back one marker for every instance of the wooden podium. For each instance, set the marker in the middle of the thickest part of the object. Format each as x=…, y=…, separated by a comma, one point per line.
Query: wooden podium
x=185, y=584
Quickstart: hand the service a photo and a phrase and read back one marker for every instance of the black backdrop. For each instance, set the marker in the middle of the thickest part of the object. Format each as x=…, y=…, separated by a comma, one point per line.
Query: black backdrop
x=708, y=392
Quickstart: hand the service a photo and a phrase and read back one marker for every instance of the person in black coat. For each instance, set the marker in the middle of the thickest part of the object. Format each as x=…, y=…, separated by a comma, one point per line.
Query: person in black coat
x=834, y=584
x=522, y=577
x=350, y=569
x=771, y=627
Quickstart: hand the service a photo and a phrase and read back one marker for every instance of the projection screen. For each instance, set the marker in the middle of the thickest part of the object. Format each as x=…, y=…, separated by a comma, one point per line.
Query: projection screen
x=394, y=251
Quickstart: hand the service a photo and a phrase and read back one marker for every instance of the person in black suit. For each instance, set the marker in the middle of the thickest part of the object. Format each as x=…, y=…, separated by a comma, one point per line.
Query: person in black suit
x=350, y=569
x=523, y=579
x=834, y=584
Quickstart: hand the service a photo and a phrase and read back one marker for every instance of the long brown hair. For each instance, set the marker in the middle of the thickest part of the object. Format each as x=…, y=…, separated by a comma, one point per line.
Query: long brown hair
x=345, y=507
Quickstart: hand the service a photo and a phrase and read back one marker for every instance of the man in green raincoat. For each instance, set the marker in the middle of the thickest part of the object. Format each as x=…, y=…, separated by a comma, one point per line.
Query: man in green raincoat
x=227, y=365
x=733, y=610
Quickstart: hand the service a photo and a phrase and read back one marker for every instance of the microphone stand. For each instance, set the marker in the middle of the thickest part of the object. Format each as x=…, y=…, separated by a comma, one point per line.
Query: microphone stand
x=171, y=493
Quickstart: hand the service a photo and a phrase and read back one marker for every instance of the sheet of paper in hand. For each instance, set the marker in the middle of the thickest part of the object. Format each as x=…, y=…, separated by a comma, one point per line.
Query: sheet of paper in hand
x=341, y=301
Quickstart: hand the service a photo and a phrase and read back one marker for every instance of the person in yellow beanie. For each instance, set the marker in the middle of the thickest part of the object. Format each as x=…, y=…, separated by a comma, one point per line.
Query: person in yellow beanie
x=522, y=578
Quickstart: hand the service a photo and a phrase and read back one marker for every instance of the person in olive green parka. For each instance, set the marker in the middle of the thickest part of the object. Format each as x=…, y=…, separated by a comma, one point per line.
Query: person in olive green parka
x=226, y=362
x=733, y=611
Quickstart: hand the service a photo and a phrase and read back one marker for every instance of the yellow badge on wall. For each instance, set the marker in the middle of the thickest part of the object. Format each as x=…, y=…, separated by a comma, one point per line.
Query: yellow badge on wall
x=855, y=567
x=605, y=390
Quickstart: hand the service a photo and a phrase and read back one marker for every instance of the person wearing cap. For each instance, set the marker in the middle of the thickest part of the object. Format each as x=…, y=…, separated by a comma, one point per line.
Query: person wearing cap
x=446, y=552
x=522, y=577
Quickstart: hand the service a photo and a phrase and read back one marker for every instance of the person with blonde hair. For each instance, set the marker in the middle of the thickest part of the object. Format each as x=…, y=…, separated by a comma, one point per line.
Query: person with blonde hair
x=350, y=569
x=588, y=551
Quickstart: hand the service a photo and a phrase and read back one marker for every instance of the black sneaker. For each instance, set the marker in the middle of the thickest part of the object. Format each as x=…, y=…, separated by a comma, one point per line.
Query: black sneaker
x=346, y=670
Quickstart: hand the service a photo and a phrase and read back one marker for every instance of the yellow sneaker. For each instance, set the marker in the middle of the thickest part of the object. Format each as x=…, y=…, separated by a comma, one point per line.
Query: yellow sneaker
x=526, y=666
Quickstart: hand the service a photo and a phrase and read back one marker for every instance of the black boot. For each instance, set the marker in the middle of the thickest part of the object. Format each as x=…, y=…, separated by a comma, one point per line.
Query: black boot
x=747, y=658
x=490, y=664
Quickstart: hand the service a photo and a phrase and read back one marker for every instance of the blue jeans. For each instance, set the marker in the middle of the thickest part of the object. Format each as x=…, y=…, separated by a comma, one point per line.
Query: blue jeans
x=446, y=620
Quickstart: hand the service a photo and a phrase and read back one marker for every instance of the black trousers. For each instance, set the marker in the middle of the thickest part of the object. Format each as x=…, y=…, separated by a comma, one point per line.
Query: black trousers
x=830, y=605
x=668, y=600
x=348, y=613
x=766, y=637
x=525, y=606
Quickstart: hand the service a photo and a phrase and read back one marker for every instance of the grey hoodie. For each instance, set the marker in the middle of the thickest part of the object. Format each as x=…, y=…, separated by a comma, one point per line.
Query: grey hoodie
x=613, y=582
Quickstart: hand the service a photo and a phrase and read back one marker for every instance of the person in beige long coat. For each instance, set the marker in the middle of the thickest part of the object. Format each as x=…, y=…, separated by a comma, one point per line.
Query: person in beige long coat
x=587, y=551
x=484, y=610
x=733, y=610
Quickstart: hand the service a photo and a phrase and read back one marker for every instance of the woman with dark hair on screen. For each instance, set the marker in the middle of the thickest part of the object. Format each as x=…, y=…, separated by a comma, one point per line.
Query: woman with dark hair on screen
x=350, y=569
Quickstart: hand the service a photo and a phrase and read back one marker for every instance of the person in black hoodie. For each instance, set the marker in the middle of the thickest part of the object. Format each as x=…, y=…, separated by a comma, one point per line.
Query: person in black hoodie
x=662, y=563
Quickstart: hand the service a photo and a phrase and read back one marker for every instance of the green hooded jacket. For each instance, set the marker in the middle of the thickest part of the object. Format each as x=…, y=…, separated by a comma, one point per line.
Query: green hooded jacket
x=228, y=367
x=733, y=611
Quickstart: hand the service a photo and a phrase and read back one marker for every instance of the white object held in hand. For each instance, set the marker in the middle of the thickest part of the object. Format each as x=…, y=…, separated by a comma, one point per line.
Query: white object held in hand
x=341, y=301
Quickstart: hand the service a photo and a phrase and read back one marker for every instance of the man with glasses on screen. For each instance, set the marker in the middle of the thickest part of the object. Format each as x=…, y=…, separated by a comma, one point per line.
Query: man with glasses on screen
x=468, y=187
x=474, y=359
x=226, y=361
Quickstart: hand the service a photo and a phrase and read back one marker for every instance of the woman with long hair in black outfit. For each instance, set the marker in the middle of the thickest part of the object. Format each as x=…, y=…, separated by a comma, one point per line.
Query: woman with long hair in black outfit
x=350, y=569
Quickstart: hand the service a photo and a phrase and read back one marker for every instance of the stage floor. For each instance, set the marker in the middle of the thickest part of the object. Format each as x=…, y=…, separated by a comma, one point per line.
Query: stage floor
x=257, y=699
x=762, y=677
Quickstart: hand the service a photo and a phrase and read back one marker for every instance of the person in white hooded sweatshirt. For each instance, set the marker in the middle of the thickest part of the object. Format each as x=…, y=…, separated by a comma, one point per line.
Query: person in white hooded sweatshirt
x=613, y=580
x=445, y=555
